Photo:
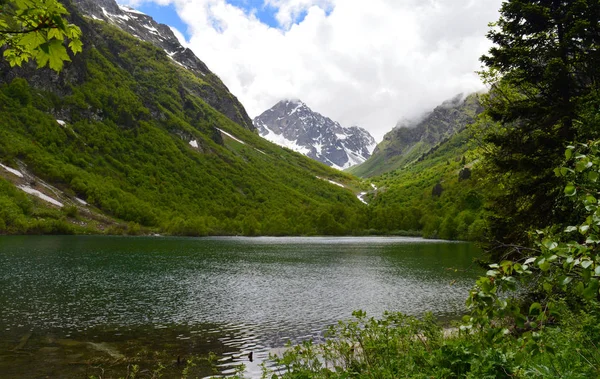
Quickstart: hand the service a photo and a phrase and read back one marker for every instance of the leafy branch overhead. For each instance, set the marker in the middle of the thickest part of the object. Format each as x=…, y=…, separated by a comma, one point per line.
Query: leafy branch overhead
x=37, y=30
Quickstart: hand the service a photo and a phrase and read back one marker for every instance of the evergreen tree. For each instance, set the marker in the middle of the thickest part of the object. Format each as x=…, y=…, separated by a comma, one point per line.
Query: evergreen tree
x=543, y=70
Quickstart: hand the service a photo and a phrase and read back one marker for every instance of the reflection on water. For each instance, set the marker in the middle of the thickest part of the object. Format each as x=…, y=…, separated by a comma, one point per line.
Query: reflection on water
x=231, y=296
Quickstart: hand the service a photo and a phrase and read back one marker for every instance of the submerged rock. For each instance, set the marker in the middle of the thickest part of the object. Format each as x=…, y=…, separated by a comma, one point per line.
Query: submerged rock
x=106, y=348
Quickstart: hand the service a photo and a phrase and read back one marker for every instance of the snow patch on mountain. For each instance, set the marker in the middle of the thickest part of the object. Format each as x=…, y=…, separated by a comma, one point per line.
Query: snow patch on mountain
x=12, y=170
x=231, y=136
x=127, y=9
x=41, y=195
x=332, y=182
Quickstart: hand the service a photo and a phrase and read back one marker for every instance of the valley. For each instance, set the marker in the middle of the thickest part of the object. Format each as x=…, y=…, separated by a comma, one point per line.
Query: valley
x=160, y=217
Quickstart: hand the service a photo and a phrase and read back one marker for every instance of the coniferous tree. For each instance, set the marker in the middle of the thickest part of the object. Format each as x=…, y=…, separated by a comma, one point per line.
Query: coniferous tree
x=544, y=71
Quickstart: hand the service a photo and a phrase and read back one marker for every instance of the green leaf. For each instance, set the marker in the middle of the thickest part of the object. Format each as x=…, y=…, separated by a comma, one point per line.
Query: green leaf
x=76, y=46
x=566, y=280
x=570, y=189
x=54, y=54
x=31, y=41
x=544, y=266
x=568, y=154
x=55, y=33
x=549, y=244
x=591, y=290
x=535, y=309
x=583, y=165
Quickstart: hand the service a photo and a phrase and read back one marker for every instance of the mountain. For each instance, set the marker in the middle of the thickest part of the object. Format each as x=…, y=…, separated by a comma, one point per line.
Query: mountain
x=126, y=140
x=142, y=26
x=410, y=140
x=292, y=124
x=440, y=194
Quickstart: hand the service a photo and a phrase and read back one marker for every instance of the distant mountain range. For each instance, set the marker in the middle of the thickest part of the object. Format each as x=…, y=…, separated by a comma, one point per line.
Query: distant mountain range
x=409, y=140
x=292, y=124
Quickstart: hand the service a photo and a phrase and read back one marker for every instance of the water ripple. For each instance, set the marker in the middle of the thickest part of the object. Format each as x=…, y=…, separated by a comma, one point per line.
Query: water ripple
x=258, y=293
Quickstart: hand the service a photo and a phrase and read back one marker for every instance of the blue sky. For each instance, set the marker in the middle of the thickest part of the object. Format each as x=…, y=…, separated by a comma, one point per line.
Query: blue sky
x=164, y=15
x=168, y=14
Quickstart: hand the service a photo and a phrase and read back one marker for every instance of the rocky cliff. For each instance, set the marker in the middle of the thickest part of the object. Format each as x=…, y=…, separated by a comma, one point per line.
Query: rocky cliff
x=410, y=139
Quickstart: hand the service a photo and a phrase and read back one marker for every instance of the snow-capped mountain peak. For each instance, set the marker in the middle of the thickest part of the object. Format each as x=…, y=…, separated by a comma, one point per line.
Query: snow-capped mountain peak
x=292, y=124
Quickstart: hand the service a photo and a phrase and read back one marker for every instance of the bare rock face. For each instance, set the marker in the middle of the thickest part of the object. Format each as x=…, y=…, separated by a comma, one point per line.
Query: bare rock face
x=292, y=124
x=142, y=26
x=446, y=119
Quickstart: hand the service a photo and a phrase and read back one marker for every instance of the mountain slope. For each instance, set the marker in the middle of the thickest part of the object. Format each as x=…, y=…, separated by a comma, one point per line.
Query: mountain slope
x=125, y=132
x=292, y=124
x=407, y=142
x=440, y=195
x=141, y=26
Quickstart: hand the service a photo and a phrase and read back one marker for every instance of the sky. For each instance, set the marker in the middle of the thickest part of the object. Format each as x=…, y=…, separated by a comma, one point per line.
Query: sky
x=369, y=63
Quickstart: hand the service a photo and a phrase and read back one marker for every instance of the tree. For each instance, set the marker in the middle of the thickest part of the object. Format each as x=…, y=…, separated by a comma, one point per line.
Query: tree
x=37, y=29
x=543, y=71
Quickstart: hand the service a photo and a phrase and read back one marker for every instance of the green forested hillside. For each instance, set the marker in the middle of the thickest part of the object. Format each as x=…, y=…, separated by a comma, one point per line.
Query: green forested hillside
x=426, y=178
x=439, y=195
x=140, y=147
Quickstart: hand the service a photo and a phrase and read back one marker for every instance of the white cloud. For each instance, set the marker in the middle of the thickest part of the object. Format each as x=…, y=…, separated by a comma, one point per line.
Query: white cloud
x=360, y=63
x=180, y=37
x=288, y=11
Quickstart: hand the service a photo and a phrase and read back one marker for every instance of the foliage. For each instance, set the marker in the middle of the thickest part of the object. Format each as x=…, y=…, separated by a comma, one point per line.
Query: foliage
x=404, y=200
x=22, y=215
x=543, y=75
x=390, y=347
x=399, y=346
x=36, y=29
x=564, y=265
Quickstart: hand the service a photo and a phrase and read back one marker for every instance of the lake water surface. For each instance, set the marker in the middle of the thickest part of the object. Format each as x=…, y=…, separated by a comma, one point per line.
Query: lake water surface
x=74, y=306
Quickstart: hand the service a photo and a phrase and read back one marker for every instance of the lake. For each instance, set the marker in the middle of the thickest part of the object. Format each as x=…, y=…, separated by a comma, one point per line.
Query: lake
x=75, y=306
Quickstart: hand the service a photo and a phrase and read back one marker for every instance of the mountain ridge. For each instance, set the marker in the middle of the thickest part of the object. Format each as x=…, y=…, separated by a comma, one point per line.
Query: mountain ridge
x=408, y=140
x=292, y=124
x=147, y=29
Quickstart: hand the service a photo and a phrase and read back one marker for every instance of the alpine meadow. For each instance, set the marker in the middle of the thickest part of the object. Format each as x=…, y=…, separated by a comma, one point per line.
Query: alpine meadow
x=150, y=227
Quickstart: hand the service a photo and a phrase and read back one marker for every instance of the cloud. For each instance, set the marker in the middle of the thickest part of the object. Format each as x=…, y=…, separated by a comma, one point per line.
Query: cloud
x=288, y=11
x=180, y=37
x=360, y=63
